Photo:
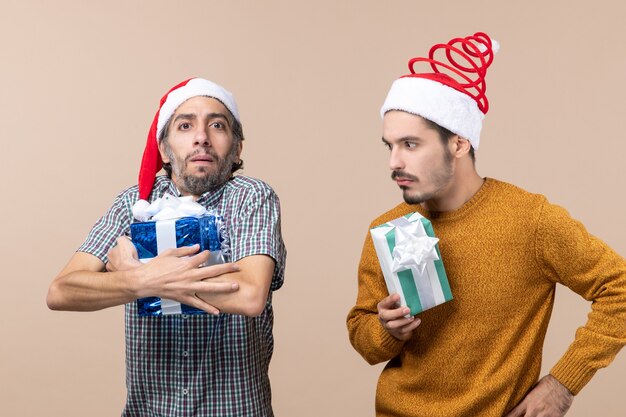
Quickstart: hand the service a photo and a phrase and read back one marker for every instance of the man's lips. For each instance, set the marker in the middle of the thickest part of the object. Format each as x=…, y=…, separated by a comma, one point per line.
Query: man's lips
x=403, y=181
x=205, y=158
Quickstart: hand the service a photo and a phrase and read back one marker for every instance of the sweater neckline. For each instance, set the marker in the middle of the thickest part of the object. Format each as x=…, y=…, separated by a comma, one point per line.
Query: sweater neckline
x=488, y=184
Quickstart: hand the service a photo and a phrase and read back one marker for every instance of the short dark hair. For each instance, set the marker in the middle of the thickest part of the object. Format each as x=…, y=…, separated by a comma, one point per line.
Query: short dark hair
x=237, y=139
x=445, y=135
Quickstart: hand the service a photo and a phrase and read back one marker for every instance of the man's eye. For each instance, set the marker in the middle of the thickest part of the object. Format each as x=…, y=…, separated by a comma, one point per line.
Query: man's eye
x=410, y=145
x=387, y=145
x=184, y=126
x=217, y=125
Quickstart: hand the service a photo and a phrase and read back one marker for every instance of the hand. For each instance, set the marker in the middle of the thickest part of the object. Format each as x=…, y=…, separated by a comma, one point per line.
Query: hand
x=122, y=256
x=175, y=275
x=549, y=398
x=392, y=318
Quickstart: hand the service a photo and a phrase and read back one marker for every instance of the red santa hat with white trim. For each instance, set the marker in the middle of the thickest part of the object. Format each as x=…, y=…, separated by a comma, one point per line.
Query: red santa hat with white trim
x=177, y=95
x=452, y=94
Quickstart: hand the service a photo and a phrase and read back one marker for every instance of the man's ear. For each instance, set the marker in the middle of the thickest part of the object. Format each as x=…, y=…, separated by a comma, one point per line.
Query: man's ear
x=460, y=146
x=164, y=157
x=240, y=148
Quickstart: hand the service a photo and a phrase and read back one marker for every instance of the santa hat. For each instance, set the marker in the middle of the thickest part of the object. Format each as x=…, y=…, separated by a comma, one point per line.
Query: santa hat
x=177, y=95
x=454, y=99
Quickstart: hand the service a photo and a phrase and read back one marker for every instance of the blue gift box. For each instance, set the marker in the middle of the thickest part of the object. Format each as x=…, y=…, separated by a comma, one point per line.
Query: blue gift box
x=152, y=237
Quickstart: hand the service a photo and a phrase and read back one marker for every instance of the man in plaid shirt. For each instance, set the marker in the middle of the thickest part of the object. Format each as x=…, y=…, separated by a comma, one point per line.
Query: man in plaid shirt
x=189, y=365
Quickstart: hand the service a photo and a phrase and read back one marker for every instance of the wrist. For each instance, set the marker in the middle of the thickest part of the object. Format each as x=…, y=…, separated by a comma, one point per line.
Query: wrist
x=132, y=279
x=558, y=385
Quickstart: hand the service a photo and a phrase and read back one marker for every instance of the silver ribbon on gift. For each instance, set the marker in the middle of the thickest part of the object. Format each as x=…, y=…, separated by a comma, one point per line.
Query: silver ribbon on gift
x=414, y=248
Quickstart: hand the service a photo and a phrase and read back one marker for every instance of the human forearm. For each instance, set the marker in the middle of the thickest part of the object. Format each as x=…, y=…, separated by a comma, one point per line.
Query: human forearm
x=254, y=278
x=84, y=286
x=89, y=291
x=367, y=334
x=370, y=339
x=573, y=257
x=595, y=346
x=247, y=301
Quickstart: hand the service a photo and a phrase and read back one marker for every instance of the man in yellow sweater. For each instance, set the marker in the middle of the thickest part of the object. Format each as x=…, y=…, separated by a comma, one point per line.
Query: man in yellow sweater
x=504, y=251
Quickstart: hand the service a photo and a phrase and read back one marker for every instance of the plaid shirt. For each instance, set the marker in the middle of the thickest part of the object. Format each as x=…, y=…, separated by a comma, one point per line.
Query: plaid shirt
x=202, y=365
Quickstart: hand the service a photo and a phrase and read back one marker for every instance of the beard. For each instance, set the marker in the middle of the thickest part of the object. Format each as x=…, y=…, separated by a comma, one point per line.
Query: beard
x=205, y=178
x=439, y=178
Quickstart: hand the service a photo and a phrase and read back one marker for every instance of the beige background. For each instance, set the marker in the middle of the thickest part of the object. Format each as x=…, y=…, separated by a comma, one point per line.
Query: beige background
x=80, y=84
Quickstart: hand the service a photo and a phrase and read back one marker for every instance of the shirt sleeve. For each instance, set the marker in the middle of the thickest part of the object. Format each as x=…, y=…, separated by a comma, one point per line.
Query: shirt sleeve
x=255, y=230
x=571, y=256
x=367, y=335
x=103, y=235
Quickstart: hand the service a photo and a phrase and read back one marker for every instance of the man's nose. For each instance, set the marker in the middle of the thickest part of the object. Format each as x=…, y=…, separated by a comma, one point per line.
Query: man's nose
x=395, y=159
x=201, y=136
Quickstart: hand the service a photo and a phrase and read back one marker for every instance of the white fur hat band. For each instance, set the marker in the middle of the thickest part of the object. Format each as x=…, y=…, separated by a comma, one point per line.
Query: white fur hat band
x=192, y=88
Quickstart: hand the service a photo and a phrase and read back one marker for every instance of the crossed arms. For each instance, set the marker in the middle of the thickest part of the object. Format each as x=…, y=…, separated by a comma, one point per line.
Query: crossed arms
x=87, y=284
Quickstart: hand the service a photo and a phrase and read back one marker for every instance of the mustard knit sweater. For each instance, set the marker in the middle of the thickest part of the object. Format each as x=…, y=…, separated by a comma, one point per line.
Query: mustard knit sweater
x=479, y=354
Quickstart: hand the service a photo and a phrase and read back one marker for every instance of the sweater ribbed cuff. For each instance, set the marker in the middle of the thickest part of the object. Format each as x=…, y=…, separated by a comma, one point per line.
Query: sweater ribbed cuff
x=388, y=342
x=573, y=371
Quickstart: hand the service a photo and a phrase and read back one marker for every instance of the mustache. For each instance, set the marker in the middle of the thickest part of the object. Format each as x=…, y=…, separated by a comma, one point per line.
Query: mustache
x=395, y=174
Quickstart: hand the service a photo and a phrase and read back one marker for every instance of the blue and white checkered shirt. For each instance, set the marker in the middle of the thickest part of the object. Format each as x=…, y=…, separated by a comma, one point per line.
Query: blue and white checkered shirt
x=202, y=365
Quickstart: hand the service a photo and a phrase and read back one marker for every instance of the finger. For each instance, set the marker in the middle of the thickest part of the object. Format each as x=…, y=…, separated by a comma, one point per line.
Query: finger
x=213, y=271
x=395, y=314
x=389, y=302
x=402, y=323
x=517, y=411
x=206, y=287
x=199, y=258
x=399, y=323
x=182, y=251
x=197, y=302
x=410, y=327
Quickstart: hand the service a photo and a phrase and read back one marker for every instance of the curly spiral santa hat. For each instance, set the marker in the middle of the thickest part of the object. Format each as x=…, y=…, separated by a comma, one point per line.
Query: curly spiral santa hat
x=453, y=94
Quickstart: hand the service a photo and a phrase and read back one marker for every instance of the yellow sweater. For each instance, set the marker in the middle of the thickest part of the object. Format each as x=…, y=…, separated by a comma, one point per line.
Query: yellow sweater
x=478, y=355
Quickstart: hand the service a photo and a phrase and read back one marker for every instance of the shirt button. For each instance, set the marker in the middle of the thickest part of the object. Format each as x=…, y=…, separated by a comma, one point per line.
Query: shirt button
x=185, y=353
x=185, y=316
x=185, y=391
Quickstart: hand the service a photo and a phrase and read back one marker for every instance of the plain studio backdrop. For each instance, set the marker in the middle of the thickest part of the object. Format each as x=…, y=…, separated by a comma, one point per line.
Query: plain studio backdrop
x=81, y=81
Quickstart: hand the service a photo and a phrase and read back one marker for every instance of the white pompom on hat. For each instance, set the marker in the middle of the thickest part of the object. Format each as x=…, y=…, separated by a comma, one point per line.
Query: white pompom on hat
x=151, y=162
x=455, y=99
